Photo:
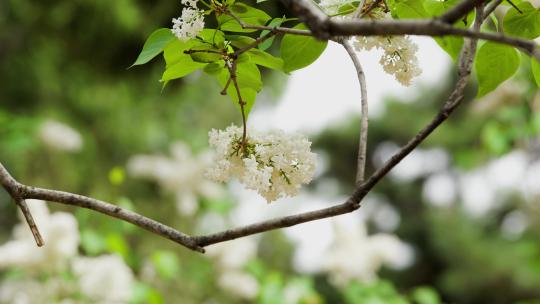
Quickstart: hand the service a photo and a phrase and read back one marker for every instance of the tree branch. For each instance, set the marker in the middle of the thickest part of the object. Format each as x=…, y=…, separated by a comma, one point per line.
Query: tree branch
x=364, y=120
x=460, y=10
x=427, y=27
x=491, y=7
x=255, y=43
x=21, y=191
x=29, y=192
x=11, y=187
x=325, y=28
x=353, y=202
x=359, y=9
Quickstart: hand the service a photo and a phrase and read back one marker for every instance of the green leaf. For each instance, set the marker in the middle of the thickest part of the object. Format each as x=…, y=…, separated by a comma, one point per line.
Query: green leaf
x=184, y=66
x=205, y=54
x=240, y=41
x=406, y=9
x=525, y=24
x=175, y=51
x=213, y=37
x=154, y=45
x=247, y=14
x=214, y=68
x=300, y=51
x=248, y=76
x=494, y=64
x=268, y=42
x=451, y=45
x=265, y=59
x=535, y=66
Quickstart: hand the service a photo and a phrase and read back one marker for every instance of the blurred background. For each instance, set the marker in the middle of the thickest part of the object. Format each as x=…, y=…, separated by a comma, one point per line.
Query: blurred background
x=458, y=221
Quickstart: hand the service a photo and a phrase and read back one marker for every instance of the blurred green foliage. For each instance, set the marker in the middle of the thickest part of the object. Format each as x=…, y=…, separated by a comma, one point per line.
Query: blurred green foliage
x=67, y=60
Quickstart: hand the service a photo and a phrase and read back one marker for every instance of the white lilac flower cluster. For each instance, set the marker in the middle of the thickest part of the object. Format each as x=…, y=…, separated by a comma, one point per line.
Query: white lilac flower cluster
x=274, y=164
x=190, y=23
x=399, y=52
x=399, y=55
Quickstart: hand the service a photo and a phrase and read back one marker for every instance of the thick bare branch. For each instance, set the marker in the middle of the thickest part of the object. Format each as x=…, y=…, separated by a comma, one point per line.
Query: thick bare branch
x=29, y=192
x=427, y=27
x=312, y=16
x=325, y=28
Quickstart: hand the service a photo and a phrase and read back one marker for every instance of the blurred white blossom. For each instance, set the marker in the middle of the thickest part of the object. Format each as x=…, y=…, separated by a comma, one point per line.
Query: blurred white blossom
x=181, y=174
x=234, y=254
x=104, y=279
x=59, y=136
x=59, y=231
x=275, y=164
x=231, y=258
x=514, y=224
x=355, y=255
x=32, y=291
x=239, y=283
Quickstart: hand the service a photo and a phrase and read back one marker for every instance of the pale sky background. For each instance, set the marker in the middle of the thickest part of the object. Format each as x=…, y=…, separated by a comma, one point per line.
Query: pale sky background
x=328, y=90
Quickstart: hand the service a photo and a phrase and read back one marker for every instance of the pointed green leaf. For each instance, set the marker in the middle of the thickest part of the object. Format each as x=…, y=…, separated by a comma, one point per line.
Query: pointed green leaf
x=300, y=51
x=265, y=59
x=405, y=9
x=213, y=37
x=246, y=13
x=214, y=68
x=240, y=41
x=184, y=66
x=154, y=45
x=525, y=24
x=175, y=50
x=494, y=64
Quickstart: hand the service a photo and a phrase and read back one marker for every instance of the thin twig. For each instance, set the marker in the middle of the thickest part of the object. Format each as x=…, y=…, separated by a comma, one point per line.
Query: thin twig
x=275, y=29
x=227, y=84
x=255, y=43
x=359, y=9
x=364, y=120
x=232, y=71
x=11, y=187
